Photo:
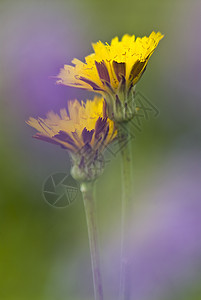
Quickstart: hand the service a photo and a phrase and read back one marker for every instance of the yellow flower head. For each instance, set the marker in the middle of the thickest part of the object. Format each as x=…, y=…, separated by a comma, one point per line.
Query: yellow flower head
x=85, y=131
x=112, y=70
x=85, y=123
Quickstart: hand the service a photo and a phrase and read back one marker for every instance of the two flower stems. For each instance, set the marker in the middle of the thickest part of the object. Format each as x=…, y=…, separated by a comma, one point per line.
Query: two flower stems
x=88, y=192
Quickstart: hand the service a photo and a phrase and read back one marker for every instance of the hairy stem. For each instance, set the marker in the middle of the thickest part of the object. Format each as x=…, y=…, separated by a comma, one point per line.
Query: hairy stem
x=126, y=158
x=87, y=189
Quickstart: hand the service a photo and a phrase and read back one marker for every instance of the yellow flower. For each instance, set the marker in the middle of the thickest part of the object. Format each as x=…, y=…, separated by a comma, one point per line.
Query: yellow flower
x=85, y=131
x=113, y=70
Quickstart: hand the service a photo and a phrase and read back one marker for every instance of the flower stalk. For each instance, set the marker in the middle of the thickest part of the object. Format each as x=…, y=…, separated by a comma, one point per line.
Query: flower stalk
x=84, y=131
x=126, y=159
x=87, y=189
x=86, y=128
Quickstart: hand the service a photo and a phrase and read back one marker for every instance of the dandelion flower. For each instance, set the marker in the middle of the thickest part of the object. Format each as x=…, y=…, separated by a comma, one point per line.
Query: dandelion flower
x=113, y=71
x=85, y=131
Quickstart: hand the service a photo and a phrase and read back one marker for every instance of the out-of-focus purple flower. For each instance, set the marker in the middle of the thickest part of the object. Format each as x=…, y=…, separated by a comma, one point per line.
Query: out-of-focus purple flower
x=165, y=235
x=36, y=42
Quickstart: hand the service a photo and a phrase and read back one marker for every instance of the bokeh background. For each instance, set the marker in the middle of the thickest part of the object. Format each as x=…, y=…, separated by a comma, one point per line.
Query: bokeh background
x=44, y=251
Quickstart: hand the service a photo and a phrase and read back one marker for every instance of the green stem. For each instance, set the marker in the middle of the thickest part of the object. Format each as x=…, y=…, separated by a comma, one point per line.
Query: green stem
x=126, y=158
x=87, y=189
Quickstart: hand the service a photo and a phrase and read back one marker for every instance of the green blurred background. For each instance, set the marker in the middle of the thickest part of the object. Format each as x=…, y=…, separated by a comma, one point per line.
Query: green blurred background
x=44, y=251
